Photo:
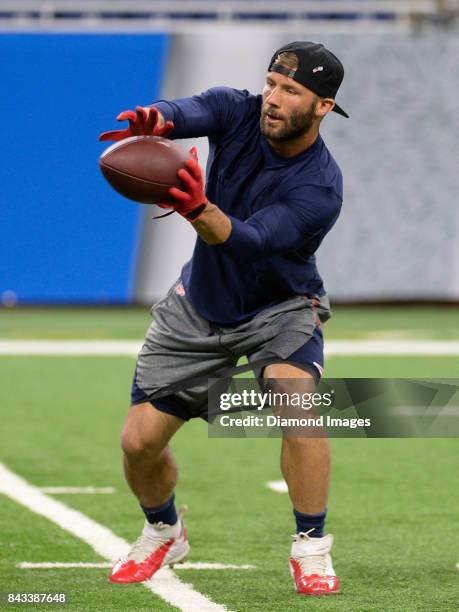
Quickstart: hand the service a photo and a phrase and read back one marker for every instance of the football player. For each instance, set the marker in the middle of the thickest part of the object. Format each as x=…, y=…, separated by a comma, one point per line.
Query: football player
x=272, y=193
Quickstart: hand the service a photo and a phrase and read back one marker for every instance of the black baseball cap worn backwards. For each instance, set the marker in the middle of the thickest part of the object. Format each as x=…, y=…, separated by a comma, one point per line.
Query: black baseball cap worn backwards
x=318, y=69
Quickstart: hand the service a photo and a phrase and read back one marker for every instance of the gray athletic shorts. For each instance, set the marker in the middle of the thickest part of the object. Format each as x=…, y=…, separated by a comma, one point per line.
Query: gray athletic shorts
x=182, y=350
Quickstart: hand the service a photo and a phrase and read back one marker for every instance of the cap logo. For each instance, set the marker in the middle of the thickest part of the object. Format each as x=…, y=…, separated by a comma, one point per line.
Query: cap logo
x=318, y=69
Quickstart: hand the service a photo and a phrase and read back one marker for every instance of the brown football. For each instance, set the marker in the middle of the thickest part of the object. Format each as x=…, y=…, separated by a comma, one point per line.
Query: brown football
x=143, y=168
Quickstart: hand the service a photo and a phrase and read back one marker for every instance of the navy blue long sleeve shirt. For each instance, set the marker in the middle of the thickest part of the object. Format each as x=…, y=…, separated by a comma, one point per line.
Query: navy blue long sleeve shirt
x=281, y=208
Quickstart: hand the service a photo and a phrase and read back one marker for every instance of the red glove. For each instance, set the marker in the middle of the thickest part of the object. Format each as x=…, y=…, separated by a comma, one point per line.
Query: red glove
x=190, y=202
x=142, y=122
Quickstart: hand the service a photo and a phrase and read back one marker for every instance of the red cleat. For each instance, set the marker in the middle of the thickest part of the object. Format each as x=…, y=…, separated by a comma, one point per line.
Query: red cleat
x=311, y=565
x=157, y=546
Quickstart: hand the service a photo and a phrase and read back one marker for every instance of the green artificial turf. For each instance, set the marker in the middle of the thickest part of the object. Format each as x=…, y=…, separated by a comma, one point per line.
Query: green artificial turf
x=392, y=508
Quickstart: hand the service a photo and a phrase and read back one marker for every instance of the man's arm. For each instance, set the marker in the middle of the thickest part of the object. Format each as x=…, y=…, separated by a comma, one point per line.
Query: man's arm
x=284, y=226
x=208, y=114
x=213, y=225
x=211, y=113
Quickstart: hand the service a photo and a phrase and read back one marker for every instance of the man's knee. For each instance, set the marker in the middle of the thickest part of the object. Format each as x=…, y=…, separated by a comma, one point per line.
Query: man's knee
x=134, y=443
x=147, y=431
x=290, y=396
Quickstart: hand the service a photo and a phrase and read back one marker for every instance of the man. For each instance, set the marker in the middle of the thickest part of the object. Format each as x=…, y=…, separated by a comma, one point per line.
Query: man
x=251, y=288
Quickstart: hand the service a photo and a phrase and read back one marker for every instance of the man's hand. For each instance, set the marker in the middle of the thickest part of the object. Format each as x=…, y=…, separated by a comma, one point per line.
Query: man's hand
x=211, y=223
x=191, y=201
x=145, y=121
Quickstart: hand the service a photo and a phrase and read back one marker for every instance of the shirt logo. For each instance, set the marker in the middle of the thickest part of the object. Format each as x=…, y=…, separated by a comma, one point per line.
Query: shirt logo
x=318, y=69
x=180, y=290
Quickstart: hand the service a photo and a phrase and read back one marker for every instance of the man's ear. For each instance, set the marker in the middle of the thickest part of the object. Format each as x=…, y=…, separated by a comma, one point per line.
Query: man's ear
x=324, y=106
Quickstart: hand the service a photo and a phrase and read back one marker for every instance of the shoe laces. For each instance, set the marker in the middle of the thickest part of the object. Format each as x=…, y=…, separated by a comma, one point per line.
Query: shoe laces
x=151, y=538
x=311, y=564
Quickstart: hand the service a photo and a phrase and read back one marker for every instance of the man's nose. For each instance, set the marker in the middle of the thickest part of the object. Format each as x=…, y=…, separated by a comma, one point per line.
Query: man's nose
x=273, y=97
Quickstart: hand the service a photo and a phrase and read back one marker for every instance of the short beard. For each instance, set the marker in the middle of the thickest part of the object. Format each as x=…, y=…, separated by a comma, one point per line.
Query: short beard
x=297, y=125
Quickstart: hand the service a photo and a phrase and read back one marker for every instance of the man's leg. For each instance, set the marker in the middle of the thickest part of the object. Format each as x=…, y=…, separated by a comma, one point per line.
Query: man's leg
x=305, y=462
x=305, y=465
x=149, y=465
x=180, y=347
x=151, y=472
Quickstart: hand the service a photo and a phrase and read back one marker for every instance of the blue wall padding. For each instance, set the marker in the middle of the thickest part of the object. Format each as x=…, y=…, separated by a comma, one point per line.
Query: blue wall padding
x=65, y=235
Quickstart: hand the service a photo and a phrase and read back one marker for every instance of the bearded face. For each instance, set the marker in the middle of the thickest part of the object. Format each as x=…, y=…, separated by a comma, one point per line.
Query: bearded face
x=280, y=126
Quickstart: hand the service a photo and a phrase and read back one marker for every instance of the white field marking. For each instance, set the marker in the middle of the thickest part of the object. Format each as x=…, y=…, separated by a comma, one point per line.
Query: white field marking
x=74, y=490
x=117, y=348
x=180, y=566
x=165, y=583
x=391, y=347
x=280, y=486
x=57, y=565
x=200, y=565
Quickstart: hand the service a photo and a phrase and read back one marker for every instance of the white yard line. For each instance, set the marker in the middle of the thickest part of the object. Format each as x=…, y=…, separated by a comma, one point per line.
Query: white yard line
x=392, y=347
x=117, y=348
x=104, y=542
x=212, y=566
x=279, y=486
x=75, y=490
x=58, y=565
x=181, y=566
